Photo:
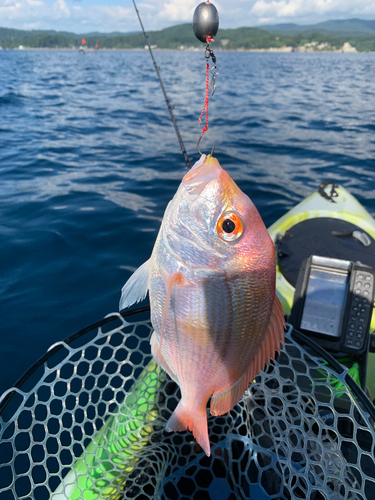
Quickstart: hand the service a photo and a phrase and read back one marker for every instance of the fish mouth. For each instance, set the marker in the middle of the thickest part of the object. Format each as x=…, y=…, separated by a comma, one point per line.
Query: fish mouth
x=206, y=170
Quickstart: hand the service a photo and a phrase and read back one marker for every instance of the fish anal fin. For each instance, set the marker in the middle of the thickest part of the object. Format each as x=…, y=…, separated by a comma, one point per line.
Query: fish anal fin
x=157, y=355
x=135, y=289
x=224, y=401
x=183, y=418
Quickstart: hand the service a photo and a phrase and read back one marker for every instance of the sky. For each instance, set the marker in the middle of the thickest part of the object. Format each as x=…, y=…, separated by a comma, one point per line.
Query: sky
x=83, y=16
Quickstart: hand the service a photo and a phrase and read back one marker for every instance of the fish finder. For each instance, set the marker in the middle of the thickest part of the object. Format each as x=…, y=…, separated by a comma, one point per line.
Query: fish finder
x=333, y=303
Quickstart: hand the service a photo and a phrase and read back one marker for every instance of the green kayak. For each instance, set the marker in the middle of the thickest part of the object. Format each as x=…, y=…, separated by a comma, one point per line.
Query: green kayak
x=87, y=421
x=320, y=213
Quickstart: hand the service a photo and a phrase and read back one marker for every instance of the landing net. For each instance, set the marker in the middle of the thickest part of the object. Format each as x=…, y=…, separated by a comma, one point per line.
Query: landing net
x=88, y=423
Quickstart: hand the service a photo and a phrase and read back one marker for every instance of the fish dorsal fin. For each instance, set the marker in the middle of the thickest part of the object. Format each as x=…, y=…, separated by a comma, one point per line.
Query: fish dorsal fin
x=135, y=289
x=224, y=401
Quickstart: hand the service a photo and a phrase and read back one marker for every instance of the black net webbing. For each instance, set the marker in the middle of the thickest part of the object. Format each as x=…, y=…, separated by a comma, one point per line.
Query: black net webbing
x=89, y=423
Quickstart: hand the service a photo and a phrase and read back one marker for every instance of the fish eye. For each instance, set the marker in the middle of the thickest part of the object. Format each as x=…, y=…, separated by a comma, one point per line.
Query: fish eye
x=229, y=226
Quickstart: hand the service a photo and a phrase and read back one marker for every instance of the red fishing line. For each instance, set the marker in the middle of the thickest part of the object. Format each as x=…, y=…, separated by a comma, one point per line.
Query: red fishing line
x=205, y=107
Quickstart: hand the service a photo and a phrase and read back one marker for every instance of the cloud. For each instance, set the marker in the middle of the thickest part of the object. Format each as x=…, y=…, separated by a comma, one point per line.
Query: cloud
x=30, y=12
x=58, y=15
x=257, y=12
x=111, y=15
x=20, y=10
x=60, y=9
x=284, y=8
x=36, y=3
x=114, y=18
x=177, y=10
x=275, y=10
x=148, y=6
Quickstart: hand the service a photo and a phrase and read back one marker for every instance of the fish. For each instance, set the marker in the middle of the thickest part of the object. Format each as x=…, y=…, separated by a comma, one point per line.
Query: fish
x=211, y=280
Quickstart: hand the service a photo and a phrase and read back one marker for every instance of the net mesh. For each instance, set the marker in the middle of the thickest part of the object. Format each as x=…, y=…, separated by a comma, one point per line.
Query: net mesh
x=89, y=424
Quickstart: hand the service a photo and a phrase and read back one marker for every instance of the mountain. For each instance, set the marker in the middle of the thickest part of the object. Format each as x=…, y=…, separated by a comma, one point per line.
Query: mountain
x=13, y=33
x=356, y=27
x=16, y=34
x=327, y=36
x=12, y=38
x=113, y=33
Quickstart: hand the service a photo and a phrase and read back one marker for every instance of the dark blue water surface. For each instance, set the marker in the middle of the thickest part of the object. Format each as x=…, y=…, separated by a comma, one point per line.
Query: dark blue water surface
x=89, y=160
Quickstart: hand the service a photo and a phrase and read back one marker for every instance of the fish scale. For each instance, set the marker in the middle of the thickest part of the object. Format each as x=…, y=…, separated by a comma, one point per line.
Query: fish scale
x=211, y=278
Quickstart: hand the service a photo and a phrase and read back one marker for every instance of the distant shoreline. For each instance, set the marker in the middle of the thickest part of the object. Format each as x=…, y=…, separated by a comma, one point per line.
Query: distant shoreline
x=271, y=50
x=353, y=36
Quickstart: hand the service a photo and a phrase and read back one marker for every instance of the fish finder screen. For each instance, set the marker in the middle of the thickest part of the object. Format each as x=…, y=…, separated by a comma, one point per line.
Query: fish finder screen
x=324, y=302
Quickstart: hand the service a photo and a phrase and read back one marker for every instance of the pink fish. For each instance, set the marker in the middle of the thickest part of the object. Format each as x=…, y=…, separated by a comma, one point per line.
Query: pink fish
x=214, y=310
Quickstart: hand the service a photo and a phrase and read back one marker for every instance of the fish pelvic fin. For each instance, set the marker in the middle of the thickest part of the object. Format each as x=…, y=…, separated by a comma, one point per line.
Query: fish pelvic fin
x=224, y=401
x=183, y=418
x=135, y=289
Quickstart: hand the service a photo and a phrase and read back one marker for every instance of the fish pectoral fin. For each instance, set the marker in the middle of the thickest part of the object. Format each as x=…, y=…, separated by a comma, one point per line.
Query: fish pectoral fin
x=224, y=401
x=170, y=280
x=135, y=289
x=159, y=358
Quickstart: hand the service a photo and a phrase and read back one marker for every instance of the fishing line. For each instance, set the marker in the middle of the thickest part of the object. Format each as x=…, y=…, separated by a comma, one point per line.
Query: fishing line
x=170, y=108
x=215, y=70
x=205, y=27
x=206, y=101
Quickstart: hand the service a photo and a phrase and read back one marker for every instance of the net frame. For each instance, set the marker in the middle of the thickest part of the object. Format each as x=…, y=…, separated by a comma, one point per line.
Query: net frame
x=291, y=436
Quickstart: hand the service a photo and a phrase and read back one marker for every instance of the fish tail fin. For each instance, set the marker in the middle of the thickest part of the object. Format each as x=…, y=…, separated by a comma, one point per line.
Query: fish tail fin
x=183, y=418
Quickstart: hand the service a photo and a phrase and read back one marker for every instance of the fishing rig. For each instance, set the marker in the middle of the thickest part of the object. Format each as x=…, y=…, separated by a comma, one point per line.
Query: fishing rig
x=205, y=27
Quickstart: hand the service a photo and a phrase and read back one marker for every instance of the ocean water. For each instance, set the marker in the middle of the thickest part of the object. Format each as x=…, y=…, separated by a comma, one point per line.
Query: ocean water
x=89, y=160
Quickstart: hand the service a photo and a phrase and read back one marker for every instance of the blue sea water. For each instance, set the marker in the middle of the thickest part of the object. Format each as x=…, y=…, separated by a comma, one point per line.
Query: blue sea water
x=89, y=160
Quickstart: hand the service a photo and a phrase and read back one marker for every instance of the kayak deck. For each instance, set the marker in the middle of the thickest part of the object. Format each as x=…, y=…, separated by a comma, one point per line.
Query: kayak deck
x=344, y=213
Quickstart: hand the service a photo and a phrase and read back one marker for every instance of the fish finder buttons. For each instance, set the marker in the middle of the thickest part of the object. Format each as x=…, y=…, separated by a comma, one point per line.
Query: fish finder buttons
x=361, y=309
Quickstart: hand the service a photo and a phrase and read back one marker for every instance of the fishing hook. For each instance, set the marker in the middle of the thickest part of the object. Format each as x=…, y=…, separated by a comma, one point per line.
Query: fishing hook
x=199, y=151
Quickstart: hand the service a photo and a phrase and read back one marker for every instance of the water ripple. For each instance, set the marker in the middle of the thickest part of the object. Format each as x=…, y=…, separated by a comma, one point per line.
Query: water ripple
x=90, y=159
